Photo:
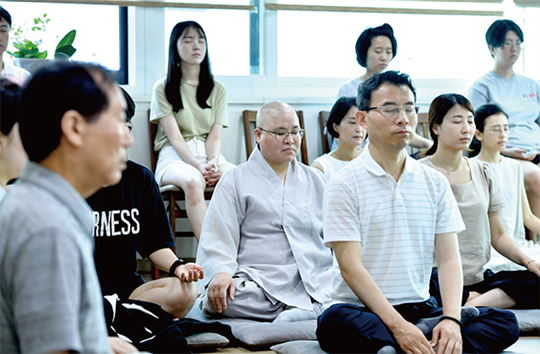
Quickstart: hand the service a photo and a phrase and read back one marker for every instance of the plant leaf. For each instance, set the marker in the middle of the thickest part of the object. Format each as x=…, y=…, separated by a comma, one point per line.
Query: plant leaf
x=64, y=52
x=68, y=39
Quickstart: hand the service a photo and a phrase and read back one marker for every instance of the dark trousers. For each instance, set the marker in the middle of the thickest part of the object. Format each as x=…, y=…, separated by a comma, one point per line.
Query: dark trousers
x=521, y=285
x=347, y=328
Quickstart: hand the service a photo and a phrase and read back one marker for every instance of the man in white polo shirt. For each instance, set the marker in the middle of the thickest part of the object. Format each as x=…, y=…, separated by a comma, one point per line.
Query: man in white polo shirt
x=384, y=216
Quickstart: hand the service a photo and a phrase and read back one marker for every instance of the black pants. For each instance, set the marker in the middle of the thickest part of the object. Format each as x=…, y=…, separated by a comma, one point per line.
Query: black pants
x=521, y=285
x=347, y=328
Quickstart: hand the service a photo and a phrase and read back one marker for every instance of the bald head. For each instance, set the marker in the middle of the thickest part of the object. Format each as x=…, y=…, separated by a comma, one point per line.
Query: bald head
x=272, y=110
x=276, y=122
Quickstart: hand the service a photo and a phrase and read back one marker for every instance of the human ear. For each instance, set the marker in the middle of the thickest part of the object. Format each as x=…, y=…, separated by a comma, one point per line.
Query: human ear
x=73, y=126
x=478, y=134
x=361, y=119
x=336, y=127
x=436, y=129
x=3, y=142
x=257, y=133
x=491, y=50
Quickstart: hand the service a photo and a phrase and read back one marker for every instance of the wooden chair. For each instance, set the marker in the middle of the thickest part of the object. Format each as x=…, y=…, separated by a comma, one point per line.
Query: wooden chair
x=249, y=118
x=326, y=139
x=171, y=193
x=422, y=128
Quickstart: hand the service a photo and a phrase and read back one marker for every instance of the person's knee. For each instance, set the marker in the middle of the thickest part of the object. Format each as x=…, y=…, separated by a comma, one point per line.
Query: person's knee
x=331, y=317
x=195, y=187
x=512, y=325
x=492, y=331
x=532, y=181
x=331, y=323
x=182, y=298
x=341, y=329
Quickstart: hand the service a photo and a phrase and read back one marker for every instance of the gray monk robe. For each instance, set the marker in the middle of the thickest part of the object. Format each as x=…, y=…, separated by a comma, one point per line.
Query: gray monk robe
x=268, y=234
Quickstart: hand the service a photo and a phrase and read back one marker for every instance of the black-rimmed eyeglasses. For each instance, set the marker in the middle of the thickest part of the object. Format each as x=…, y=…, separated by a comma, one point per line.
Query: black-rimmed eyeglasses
x=282, y=134
x=391, y=111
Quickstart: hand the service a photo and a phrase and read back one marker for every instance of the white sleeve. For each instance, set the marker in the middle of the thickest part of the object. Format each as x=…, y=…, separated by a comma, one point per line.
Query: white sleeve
x=340, y=213
x=220, y=235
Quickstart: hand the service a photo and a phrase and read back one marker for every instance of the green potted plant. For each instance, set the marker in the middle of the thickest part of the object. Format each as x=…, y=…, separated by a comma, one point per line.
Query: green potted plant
x=28, y=53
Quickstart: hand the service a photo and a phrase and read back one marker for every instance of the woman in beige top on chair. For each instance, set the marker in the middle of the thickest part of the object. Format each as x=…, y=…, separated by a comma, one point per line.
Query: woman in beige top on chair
x=191, y=109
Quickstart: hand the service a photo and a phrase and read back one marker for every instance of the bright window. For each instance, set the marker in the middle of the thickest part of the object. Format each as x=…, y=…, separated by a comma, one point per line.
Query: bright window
x=429, y=46
x=97, y=28
x=227, y=33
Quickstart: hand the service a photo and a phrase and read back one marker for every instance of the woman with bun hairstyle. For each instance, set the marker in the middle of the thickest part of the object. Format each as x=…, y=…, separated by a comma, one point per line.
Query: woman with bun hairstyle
x=375, y=49
x=191, y=110
x=342, y=124
x=480, y=201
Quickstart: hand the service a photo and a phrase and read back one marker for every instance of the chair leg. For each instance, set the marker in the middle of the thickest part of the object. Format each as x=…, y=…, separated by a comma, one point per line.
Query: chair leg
x=155, y=272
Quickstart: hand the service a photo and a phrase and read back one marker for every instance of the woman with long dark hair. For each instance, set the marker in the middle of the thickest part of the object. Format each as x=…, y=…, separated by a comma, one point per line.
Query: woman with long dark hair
x=480, y=201
x=191, y=109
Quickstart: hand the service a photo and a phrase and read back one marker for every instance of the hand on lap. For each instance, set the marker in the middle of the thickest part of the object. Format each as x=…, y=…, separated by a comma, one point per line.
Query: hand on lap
x=447, y=335
x=412, y=340
x=217, y=291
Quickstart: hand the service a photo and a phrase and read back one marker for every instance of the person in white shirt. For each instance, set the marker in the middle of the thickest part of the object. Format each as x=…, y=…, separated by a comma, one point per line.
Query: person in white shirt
x=491, y=137
x=14, y=73
x=385, y=214
x=342, y=124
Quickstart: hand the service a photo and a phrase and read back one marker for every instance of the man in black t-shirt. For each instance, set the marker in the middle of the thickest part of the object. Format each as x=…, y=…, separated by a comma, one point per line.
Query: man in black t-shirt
x=130, y=217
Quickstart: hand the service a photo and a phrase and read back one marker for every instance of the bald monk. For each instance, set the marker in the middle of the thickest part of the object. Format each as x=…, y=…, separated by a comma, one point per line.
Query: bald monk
x=261, y=241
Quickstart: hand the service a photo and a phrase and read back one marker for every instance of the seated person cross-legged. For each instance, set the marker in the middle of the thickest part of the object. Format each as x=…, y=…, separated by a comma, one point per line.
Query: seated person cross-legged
x=130, y=217
x=490, y=139
x=384, y=250
x=480, y=201
x=261, y=243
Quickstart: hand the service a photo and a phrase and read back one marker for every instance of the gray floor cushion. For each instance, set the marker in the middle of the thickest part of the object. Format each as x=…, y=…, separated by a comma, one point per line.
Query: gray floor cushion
x=299, y=337
x=529, y=321
x=262, y=335
x=299, y=347
x=206, y=342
